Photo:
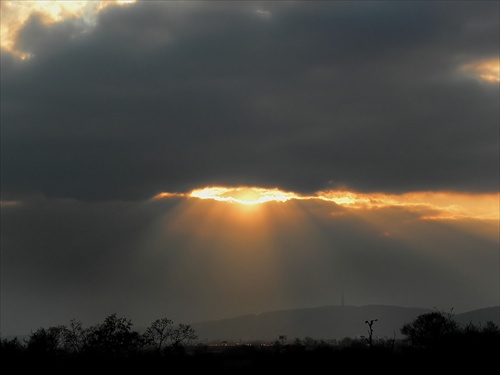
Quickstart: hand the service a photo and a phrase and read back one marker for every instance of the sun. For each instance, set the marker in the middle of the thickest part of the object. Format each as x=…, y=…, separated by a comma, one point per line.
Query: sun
x=244, y=195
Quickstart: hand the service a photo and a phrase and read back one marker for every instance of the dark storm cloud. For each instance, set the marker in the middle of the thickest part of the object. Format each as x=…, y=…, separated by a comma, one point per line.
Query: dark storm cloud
x=164, y=96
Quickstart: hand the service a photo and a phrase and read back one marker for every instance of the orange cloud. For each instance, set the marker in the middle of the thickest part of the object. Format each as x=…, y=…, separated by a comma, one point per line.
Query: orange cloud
x=486, y=70
x=9, y=203
x=428, y=205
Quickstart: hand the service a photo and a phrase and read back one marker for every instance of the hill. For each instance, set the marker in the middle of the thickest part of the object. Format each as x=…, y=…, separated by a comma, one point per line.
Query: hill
x=480, y=316
x=325, y=323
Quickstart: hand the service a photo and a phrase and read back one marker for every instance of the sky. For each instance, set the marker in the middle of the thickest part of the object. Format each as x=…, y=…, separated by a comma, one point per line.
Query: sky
x=204, y=160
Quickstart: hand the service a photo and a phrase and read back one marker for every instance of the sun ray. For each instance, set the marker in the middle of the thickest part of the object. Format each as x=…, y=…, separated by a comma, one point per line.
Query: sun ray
x=253, y=250
x=261, y=253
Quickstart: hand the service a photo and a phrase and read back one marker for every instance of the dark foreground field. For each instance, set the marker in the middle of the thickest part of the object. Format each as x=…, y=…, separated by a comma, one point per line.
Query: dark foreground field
x=250, y=359
x=434, y=343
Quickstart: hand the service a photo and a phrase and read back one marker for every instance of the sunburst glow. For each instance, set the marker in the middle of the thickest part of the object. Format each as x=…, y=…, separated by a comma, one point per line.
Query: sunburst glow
x=243, y=195
x=246, y=235
x=428, y=205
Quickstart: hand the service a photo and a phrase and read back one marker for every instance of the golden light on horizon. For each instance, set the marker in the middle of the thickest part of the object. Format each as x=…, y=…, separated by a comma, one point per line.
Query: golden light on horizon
x=15, y=14
x=434, y=205
x=437, y=205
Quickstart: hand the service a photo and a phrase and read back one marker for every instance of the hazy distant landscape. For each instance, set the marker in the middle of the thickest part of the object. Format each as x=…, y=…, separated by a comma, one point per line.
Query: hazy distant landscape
x=325, y=323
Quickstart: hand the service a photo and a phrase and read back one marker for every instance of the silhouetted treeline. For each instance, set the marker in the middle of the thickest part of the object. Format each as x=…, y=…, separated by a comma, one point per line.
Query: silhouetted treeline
x=112, y=342
x=433, y=341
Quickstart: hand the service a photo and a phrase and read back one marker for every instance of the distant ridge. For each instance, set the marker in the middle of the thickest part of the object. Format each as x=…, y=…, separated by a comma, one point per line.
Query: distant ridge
x=325, y=323
x=480, y=317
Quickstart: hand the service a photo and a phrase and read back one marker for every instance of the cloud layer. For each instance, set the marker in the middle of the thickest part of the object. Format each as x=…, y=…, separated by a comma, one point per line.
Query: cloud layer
x=162, y=96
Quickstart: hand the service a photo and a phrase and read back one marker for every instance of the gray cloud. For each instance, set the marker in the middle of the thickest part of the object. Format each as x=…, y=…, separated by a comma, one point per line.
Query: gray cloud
x=171, y=96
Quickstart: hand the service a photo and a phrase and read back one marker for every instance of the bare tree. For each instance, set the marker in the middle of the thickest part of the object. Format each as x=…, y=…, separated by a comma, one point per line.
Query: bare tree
x=114, y=337
x=182, y=335
x=158, y=333
x=369, y=339
x=161, y=335
x=74, y=336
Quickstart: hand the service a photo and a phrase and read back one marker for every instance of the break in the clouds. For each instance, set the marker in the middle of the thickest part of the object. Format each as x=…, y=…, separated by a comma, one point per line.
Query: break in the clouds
x=305, y=96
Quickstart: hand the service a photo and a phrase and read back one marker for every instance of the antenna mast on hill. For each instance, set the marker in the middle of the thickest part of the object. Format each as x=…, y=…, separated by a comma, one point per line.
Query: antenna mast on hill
x=342, y=297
